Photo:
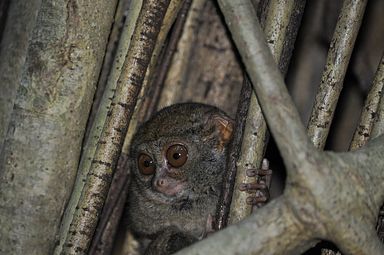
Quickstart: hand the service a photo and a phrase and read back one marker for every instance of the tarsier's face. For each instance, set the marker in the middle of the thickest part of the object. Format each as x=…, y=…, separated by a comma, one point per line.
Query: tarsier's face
x=179, y=154
x=172, y=168
x=166, y=176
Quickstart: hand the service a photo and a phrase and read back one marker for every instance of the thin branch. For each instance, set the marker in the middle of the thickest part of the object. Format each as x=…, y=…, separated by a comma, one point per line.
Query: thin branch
x=281, y=27
x=157, y=56
x=128, y=87
x=103, y=240
x=338, y=57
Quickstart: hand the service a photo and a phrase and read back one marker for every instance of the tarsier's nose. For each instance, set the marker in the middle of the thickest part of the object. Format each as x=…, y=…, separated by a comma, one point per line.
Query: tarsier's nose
x=160, y=183
x=168, y=186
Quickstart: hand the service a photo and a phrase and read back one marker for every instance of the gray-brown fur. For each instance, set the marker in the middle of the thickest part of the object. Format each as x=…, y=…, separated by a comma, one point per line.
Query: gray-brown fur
x=175, y=221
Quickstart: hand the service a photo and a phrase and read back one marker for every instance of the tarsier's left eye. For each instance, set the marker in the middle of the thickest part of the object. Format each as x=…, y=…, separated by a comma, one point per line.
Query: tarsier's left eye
x=146, y=164
x=177, y=155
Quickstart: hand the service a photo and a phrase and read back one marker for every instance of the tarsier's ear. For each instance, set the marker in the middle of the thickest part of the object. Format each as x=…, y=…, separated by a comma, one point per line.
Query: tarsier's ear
x=224, y=127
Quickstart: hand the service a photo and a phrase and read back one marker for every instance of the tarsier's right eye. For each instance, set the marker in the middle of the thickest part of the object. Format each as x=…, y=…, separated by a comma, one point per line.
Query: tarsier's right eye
x=146, y=164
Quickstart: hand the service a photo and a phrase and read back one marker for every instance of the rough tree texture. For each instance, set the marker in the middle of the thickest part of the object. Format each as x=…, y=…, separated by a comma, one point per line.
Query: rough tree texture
x=333, y=196
x=111, y=141
x=13, y=48
x=42, y=147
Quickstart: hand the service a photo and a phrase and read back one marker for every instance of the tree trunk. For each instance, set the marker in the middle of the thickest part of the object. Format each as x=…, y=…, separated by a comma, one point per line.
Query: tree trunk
x=43, y=143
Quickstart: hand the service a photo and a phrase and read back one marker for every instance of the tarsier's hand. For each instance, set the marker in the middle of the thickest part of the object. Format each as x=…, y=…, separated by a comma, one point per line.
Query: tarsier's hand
x=259, y=190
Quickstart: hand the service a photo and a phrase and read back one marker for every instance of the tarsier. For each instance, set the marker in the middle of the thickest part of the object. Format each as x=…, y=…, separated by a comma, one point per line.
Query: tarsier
x=177, y=163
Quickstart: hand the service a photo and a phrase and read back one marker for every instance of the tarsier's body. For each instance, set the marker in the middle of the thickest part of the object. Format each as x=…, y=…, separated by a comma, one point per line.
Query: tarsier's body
x=178, y=160
x=177, y=163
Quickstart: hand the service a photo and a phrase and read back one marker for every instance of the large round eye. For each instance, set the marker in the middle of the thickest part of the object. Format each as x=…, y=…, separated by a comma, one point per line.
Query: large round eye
x=177, y=155
x=146, y=164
